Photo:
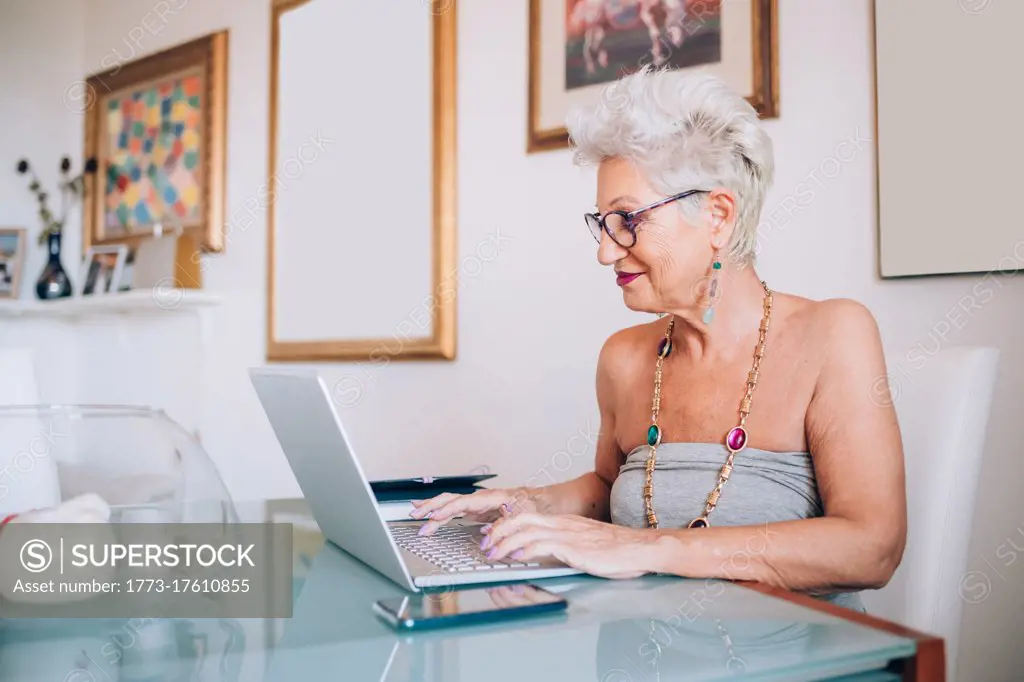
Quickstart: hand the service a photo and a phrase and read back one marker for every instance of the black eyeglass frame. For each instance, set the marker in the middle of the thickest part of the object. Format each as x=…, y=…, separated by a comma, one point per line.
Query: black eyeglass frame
x=629, y=217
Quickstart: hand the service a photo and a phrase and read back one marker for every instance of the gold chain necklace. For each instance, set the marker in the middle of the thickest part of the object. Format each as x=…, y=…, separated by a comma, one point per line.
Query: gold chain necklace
x=733, y=664
x=735, y=440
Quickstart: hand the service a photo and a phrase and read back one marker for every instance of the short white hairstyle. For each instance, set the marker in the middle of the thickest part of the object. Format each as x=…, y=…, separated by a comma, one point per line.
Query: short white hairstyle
x=683, y=132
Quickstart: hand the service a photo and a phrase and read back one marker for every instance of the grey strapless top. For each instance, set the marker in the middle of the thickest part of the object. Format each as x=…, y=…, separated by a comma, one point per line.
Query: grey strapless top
x=765, y=487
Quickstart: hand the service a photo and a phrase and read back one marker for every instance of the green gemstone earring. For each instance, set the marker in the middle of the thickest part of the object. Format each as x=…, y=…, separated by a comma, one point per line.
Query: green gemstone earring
x=709, y=314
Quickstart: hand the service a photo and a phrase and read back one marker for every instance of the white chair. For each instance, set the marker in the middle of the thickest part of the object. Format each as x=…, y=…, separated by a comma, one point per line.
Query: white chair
x=943, y=407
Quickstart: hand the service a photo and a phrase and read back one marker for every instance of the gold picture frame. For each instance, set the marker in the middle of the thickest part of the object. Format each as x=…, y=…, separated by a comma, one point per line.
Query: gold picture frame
x=441, y=343
x=12, y=260
x=762, y=84
x=169, y=158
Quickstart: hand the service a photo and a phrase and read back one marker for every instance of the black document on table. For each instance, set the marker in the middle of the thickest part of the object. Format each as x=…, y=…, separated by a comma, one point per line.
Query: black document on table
x=403, y=489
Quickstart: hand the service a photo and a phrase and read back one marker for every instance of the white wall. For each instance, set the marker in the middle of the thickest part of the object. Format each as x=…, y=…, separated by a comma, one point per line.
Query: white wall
x=531, y=320
x=40, y=60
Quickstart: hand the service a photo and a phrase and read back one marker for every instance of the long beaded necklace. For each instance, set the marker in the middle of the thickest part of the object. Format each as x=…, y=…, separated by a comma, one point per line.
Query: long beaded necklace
x=734, y=664
x=735, y=440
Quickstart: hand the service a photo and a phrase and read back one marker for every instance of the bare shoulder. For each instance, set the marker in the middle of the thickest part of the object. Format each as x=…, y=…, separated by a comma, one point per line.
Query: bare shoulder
x=844, y=323
x=619, y=356
x=840, y=341
x=833, y=324
x=623, y=344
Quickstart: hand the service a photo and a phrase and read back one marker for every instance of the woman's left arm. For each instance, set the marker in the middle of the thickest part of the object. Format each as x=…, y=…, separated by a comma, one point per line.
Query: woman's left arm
x=854, y=438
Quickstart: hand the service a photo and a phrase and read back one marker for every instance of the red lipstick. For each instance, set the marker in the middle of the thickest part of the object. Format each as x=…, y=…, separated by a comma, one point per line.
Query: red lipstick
x=624, y=278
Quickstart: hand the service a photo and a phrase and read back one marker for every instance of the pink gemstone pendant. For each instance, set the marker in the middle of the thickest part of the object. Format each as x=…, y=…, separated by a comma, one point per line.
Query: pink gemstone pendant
x=737, y=439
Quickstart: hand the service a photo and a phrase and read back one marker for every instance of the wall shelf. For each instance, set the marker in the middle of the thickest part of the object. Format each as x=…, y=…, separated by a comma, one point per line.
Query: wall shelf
x=155, y=301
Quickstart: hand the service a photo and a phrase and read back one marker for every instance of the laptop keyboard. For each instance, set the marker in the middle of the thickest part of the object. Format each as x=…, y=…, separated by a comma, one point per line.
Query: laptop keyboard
x=452, y=549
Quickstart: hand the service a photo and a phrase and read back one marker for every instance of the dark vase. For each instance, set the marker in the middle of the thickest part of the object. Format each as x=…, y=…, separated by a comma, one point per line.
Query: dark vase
x=53, y=282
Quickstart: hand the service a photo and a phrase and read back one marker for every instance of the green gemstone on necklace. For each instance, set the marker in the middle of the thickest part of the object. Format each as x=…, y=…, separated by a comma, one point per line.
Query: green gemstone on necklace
x=716, y=265
x=653, y=435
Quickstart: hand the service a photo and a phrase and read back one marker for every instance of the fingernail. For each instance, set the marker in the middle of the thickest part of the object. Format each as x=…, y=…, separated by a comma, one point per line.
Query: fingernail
x=518, y=554
x=429, y=514
x=422, y=530
x=490, y=555
x=508, y=509
x=486, y=528
x=483, y=543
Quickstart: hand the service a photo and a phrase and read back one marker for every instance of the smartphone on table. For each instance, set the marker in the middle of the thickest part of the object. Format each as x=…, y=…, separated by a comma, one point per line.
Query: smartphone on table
x=468, y=606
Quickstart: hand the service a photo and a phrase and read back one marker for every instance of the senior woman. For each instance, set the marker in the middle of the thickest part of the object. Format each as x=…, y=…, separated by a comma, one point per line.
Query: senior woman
x=739, y=438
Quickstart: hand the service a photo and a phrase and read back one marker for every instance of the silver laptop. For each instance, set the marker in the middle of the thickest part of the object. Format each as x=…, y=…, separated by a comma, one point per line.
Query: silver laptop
x=299, y=408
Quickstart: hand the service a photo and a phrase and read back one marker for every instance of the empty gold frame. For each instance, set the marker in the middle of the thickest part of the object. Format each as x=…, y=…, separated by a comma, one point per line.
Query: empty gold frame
x=361, y=194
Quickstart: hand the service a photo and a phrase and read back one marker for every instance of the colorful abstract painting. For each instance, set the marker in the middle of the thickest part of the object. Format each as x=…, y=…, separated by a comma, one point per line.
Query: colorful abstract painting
x=153, y=156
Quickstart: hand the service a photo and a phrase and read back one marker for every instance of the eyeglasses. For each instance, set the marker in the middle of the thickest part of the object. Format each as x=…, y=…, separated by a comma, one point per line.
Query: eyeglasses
x=621, y=225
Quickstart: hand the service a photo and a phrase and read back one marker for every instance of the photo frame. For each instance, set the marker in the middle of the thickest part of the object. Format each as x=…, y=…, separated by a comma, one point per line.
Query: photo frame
x=578, y=46
x=12, y=260
x=156, y=127
x=102, y=269
x=318, y=192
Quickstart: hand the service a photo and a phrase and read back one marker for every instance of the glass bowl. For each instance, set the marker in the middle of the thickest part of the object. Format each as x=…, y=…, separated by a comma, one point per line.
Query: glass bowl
x=140, y=461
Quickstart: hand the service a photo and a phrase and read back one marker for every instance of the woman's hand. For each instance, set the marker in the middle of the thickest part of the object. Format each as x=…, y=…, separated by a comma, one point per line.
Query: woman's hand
x=598, y=548
x=483, y=506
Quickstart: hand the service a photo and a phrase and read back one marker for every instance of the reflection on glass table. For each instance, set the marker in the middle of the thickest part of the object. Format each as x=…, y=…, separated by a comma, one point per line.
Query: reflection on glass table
x=614, y=631
x=477, y=605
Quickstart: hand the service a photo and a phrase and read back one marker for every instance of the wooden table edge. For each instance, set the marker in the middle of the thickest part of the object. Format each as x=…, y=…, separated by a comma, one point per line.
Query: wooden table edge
x=928, y=663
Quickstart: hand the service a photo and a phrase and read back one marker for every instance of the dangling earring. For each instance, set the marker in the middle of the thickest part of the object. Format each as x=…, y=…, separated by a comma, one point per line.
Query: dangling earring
x=709, y=314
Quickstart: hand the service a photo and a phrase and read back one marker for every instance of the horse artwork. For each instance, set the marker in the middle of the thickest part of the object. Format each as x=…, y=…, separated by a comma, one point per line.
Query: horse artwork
x=608, y=38
x=578, y=47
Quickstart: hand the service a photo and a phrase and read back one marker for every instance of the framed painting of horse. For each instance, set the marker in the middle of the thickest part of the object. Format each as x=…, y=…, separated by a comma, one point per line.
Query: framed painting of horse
x=578, y=46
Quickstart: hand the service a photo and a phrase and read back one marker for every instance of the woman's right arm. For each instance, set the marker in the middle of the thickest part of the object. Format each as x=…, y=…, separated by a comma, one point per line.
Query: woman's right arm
x=586, y=495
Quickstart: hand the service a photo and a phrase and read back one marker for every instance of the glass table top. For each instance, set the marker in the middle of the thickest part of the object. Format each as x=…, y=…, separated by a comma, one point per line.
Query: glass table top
x=653, y=628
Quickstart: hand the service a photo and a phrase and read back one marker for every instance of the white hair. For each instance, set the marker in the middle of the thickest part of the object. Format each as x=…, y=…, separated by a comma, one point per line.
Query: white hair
x=683, y=132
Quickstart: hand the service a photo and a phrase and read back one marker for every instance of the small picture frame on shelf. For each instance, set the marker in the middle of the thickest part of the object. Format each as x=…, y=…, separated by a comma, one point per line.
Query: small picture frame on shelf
x=102, y=269
x=12, y=260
